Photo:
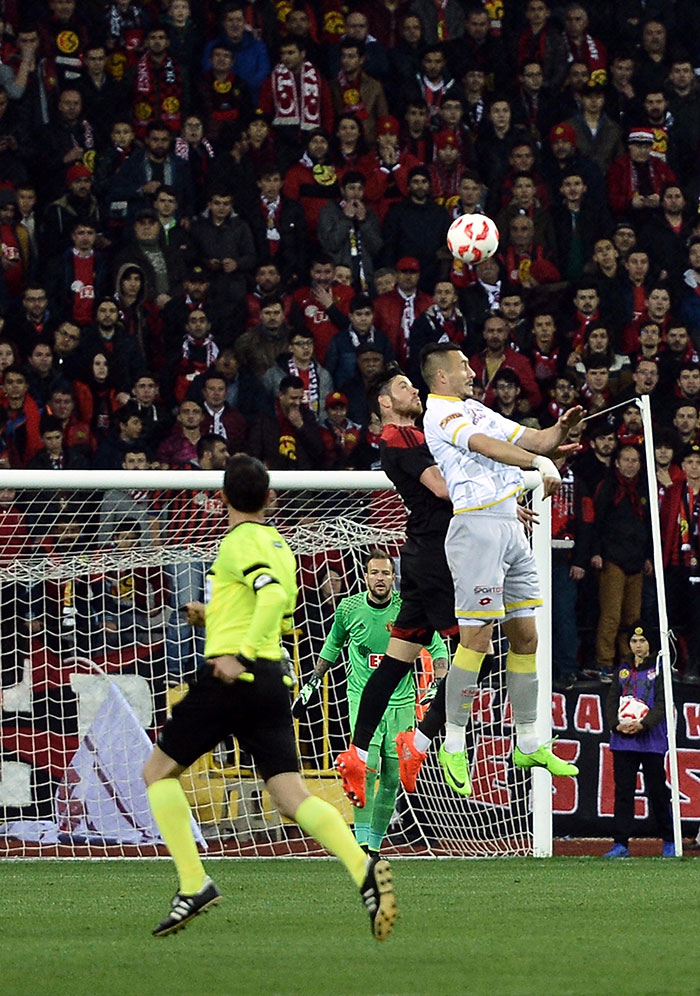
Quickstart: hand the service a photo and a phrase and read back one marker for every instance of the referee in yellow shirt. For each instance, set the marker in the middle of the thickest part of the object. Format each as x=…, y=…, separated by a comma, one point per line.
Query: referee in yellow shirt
x=242, y=692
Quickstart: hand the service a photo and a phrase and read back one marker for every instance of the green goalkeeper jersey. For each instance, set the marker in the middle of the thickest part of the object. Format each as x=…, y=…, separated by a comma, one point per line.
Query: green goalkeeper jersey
x=364, y=629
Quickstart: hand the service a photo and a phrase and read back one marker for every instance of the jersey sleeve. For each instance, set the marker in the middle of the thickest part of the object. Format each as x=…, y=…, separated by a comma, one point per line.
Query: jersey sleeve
x=338, y=636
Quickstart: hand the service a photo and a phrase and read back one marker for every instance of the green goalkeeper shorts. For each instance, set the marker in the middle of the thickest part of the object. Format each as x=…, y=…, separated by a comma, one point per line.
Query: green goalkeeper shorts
x=396, y=719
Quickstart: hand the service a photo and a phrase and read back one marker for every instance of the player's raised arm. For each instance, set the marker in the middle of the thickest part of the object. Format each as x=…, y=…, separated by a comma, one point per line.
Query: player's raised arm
x=546, y=441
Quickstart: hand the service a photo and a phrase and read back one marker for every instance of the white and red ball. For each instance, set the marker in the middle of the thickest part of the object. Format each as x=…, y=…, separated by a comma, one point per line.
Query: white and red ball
x=631, y=708
x=472, y=238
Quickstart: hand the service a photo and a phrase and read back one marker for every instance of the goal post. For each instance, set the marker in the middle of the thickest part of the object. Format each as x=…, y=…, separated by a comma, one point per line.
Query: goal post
x=95, y=568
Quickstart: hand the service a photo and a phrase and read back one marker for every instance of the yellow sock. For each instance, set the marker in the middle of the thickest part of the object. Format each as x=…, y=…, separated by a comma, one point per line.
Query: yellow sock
x=172, y=814
x=521, y=663
x=468, y=660
x=325, y=824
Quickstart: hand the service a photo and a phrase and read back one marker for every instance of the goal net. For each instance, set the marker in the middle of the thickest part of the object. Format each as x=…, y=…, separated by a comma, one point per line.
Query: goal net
x=95, y=650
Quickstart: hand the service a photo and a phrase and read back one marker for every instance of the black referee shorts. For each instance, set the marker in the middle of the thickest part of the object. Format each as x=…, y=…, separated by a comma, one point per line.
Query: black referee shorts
x=256, y=713
x=427, y=593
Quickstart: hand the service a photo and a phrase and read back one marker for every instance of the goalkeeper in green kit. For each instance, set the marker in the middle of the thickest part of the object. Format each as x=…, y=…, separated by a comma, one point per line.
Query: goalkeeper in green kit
x=362, y=623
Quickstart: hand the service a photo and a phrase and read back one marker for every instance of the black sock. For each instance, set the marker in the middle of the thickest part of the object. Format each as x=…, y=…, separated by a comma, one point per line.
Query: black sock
x=375, y=697
x=434, y=718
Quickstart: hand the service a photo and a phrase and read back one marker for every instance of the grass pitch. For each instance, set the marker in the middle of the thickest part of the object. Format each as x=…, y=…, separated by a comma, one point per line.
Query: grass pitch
x=520, y=927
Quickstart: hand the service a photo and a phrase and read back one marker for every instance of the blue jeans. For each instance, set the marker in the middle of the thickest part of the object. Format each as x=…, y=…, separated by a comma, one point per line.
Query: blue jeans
x=184, y=644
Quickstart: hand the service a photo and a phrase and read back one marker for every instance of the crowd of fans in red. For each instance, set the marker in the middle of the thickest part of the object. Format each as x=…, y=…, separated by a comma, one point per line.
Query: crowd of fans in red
x=220, y=220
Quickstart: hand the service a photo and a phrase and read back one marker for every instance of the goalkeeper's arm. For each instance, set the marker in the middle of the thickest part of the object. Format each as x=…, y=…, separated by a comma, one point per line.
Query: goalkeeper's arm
x=301, y=702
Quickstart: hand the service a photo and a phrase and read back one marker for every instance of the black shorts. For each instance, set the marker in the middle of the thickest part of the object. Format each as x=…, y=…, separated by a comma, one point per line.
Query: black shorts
x=427, y=593
x=256, y=713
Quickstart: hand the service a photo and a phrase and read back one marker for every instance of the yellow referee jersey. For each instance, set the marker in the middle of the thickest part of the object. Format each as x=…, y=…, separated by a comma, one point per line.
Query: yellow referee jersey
x=253, y=593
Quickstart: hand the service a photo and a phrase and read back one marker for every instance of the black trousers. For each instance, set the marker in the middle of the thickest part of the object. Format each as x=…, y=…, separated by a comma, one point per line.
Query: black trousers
x=626, y=765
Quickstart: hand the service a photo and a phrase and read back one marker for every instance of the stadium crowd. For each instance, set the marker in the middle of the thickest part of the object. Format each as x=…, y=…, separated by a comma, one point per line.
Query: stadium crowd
x=219, y=221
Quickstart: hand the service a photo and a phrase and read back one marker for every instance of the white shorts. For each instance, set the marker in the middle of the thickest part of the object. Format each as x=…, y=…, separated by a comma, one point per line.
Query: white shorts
x=493, y=568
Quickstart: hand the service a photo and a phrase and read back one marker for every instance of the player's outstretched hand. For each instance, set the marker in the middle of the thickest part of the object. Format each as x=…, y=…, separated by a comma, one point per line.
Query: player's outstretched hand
x=572, y=417
x=301, y=702
x=527, y=517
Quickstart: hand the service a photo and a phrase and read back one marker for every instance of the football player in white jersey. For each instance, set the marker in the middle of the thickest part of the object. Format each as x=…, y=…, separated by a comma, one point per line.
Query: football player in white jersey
x=481, y=455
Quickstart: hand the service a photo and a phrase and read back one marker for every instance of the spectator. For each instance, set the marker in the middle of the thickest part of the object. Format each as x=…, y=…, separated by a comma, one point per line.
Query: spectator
x=67, y=352
x=526, y=261
x=396, y=310
x=312, y=181
x=67, y=140
x=258, y=349
x=541, y=41
x=21, y=429
x=418, y=226
x=102, y=95
x=497, y=354
x=76, y=433
x=251, y=61
x=353, y=91
x=54, y=454
x=370, y=363
x=144, y=172
x=109, y=335
x=78, y=204
x=198, y=352
x=297, y=97
x=178, y=451
x=300, y=362
x=279, y=227
x=124, y=433
x=155, y=418
x=219, y=418
x=324, y=305
x=78, y=276
x=41, y=376
x=97, y=393
x=291, y=439
x=434, y=83
x=159, y=91
x=225, y=243
x=223, y=95
x=636, y=179
x=349, y=231
x=685, y=422
x=386, y=168
x=621, y=554
x=341, y=362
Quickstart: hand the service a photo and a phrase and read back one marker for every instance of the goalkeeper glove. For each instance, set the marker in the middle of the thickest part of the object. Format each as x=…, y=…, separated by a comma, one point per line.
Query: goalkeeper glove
x=300, y=703
x=430, y=693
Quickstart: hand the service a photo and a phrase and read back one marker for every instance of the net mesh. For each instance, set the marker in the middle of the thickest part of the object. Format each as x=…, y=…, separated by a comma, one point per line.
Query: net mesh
x=95, y=649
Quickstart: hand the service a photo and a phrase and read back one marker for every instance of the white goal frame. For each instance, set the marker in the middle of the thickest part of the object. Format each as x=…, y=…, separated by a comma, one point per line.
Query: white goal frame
x=89, y=480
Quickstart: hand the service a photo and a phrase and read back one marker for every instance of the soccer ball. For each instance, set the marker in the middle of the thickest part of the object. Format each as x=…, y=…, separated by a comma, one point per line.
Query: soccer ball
x=472, y=238
x=631, y=708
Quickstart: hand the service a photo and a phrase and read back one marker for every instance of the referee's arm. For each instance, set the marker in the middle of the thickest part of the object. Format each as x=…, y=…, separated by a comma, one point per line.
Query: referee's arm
x=271, y=603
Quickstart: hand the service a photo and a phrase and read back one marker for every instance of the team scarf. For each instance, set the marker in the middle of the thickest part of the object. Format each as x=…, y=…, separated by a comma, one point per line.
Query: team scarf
x=587, y=52
x=689, y=535
x=168, y=92
x=272, y=210
x=182, y=148
x=352, y=96
x=294, y=106
x=355, y=339
x=312, y=399
x=356, y=251
x=443, y=31
x=654, y=179
x=208, y=344
x=532, y=48
x=409, y=312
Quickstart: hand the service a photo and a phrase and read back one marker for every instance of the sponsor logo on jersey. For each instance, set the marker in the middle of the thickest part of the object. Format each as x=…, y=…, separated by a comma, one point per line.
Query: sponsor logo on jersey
x=484, y=601
x=374, y=660
x=450, y=418
x=483, y=589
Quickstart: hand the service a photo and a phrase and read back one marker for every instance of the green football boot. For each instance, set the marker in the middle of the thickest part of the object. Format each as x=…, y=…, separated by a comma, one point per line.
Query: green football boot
x=455, y=770
x=544, y=757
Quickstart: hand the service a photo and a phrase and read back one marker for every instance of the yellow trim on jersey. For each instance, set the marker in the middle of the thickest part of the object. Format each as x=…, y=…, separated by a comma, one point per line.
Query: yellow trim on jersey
x=529, y=604
x=493, y=614
x=447, y=397
x=476, y=508
x=460, y=426
x=514, y=433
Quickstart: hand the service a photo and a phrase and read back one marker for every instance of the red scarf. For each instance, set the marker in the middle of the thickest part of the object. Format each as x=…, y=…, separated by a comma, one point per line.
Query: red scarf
x=158, y=93
x=443, y=32
x=627, y=487
x=532, y=48
x=352, y=96
x=297, y=105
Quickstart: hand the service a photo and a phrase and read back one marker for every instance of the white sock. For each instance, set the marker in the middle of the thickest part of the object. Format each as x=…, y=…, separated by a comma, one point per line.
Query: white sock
x=362, y=754
x=420, y=741
x=526, y=737
x=454, y=738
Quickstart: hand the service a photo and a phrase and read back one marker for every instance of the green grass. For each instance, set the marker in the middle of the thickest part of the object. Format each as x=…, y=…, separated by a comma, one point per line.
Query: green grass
x=522, y=927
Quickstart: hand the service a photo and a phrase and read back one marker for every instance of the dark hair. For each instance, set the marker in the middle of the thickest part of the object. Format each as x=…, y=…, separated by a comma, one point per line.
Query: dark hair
x=289, y=382
x=353, y=176
x=353, y=43
x=430, y=356
x=270, y=299
x=360, y=301
x=206, y=443
x=378, y=553
x=508, y=375
x=157, y=126
x=596, y=361
x=246, y=483
x=49, y=423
